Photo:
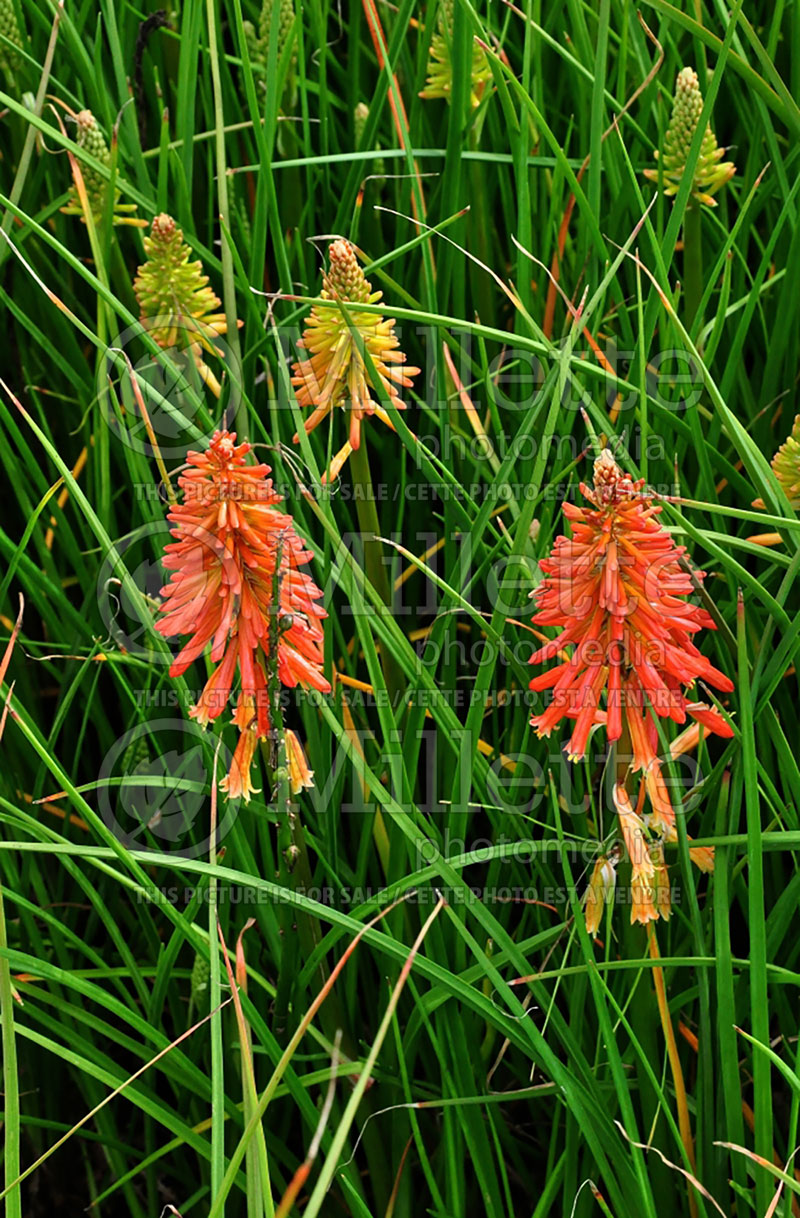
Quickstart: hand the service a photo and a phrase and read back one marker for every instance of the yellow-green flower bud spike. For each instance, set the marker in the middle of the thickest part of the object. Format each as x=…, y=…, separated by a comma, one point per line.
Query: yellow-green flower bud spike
x=360, y=116
x=175, y=300
x=89, y=136
x=285, y=23
x=137, y=753
x=253, y=50
x=711, y=172
x=258, y=41
x=201, y=973
x=439, y=83
x=786, y=465
x=9, y=28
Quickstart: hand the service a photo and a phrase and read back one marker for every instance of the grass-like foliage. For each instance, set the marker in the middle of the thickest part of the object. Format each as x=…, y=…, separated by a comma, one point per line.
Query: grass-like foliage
x=429, y=260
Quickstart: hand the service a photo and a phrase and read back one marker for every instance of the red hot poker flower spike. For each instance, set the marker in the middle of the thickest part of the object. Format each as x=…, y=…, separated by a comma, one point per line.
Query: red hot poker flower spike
x=228, y=535
x=617, y=590
x=335, y=373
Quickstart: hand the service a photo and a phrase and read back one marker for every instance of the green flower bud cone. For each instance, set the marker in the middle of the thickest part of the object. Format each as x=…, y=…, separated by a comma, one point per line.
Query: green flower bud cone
x=90, y=137
x=253, y=49
x=258, y=40
x=360, y=116
x=9, y=28
x=345, y=278
x=201, y=973
x=285, y=23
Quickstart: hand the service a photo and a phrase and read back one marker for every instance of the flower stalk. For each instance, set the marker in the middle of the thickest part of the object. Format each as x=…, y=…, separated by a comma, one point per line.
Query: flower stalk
x=692, y=261
x=369, y=525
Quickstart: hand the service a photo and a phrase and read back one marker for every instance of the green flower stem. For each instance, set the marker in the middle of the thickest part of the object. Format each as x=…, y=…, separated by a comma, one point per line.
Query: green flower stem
x=287, y=878
x=10, y=1080
x=300, y=935
x=308, y=934
x=239, y=422
x=215, y=1030
x=692, y=261
x=479, y=222
x=277, y=773
x=373, y=554
x=392, y=673
x=298, y=929
x=332, y=1016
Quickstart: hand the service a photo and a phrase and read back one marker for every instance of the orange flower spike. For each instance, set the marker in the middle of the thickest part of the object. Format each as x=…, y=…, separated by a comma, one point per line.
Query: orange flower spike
x=335, y=374
x=228, y=534
x=617, y=591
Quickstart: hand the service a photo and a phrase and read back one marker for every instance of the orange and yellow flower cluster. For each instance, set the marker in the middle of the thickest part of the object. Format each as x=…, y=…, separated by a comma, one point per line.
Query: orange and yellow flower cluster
x=336, y=372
